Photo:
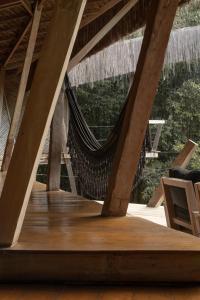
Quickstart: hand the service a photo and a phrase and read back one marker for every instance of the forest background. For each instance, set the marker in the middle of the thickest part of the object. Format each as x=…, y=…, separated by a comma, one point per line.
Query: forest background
x=177, y=102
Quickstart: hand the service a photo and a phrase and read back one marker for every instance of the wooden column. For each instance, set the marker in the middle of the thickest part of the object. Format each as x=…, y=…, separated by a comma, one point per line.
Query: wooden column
x=2, y=80
x=45, y=90
x=55, y=146
x=158, y=135
x=182, y=160
x=66, y=155
x=141, y=96
x=22, y=89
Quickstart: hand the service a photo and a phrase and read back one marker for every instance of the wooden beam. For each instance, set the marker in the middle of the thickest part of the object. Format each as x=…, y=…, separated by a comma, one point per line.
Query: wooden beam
x=157, y=137
x=2, y=81
x=45, y=90
x=41, y=3
x=140, y=101
x=25, y=31
x=22, y=89
x=55, y=146
x=5, y=4
x=8, y=2
x=66, y=156
x=71, y=176
x=182, y=160
x=100, y=35
x=103, y=7
x=26, y=4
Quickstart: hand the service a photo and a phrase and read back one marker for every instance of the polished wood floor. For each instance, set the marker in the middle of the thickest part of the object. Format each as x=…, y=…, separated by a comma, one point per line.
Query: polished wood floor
x=45, y=292
x=64, y=238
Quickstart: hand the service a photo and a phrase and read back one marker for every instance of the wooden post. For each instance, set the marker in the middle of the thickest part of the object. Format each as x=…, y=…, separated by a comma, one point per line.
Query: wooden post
x=22, y=89
x=2, y=80
x=45, y=90
x=157, y=137
x=55, y=146
x=141, y=97
x=66, y=155
x=182, y=160
x=159, y=124
x=41, y=3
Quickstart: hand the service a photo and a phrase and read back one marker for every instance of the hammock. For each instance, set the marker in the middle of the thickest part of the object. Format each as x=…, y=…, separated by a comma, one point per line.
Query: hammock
x=91, y=161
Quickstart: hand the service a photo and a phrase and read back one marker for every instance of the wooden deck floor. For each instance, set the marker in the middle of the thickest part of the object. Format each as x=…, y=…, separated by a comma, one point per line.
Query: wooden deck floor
x=155, y=214
x=45, y=292
x=65, y=239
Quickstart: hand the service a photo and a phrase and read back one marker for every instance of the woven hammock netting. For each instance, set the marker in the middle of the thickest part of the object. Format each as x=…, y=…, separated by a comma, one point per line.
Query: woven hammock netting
x=91, y=161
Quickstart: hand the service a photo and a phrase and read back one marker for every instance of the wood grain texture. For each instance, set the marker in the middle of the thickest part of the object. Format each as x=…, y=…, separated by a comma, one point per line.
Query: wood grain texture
x=2, y=86
x=27, y=5
x=56, y=292
x=140, y=101
x=192, y=204
x=19, y=41
x=182, y=160
x=38, y=114
x=55, y=146
x=22, y=89
x=64, y=237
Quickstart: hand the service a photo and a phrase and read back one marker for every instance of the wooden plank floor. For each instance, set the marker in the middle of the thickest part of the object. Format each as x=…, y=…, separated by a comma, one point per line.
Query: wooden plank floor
x=45, y=292
x=65, y=239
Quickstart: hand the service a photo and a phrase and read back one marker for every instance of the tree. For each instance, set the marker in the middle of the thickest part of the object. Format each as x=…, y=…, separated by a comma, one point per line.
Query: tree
x=177, y=102
x=188, y=15
x=101, y=104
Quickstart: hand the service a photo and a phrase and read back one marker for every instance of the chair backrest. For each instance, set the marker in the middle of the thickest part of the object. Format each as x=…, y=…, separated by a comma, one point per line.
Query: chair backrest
x=197, y=192
x=181, y=205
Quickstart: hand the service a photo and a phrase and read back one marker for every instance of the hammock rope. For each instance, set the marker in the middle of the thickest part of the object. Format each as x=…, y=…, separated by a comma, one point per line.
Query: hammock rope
x=92, y=161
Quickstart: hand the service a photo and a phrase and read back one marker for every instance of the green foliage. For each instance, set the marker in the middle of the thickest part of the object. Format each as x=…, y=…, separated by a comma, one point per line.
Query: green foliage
x=181, y=110
x=188, y=15
x=177, y=102
x=182, y=113
x=154, y=170
x=102, y=103
x=195, y=161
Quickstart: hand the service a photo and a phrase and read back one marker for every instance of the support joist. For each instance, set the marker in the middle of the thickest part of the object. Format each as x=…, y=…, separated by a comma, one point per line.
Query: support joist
x=23, y=34
x=104, y=6
x=55, y=146
x=7, y=4
x=26, y=4
x=101, y=34
x=2, y=85
x=65, y=150
x=140, y=101
x=22, y=89
x=46, y=87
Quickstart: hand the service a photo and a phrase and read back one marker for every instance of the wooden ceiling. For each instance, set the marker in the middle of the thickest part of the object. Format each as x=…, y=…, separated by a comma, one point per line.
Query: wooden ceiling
x=15, y=24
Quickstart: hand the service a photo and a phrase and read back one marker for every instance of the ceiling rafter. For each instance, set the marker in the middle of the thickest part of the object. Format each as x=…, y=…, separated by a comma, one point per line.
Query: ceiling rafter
x=102, y=7
x=7, y=4
x=25, y=31
x=26, y=4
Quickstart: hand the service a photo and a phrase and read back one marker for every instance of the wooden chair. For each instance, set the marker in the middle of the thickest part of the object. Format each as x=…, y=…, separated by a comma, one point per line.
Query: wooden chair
x=182, y=204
